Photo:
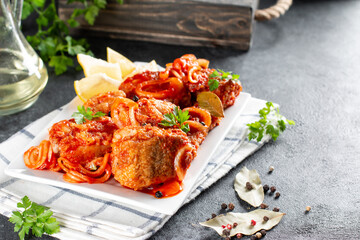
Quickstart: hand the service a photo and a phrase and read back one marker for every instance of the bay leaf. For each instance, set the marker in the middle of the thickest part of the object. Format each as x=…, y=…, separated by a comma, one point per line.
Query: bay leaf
x=255, y=196
x=211, y=102
x=244, y=221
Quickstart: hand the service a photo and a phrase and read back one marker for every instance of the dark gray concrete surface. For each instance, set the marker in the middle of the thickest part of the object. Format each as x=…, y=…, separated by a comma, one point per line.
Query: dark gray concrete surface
x=307, y=61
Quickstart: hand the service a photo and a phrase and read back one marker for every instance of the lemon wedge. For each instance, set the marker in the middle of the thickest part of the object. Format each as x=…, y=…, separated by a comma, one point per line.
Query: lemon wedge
x=93, y=65
x=151, y=66
x=125, y=64
x=95, y=84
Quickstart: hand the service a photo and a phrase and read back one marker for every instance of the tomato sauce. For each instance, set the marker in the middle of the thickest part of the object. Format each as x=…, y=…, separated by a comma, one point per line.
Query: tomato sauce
x=168, y=189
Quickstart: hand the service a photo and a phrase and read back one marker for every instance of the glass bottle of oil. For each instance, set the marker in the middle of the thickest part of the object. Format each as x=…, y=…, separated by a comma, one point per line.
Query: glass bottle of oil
x=23, y=75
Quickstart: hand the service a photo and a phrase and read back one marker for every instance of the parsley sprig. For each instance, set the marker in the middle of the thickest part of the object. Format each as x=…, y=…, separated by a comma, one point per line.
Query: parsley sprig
x=176, y=118
x=271, y=122
x=52, y=39
x=83, y=114
x=217, y=75
x=35, y=217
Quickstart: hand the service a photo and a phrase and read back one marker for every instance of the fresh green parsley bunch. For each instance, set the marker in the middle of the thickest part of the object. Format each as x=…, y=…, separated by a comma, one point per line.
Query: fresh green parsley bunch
x=35, y=217
x=271, y=122
x=52, y=39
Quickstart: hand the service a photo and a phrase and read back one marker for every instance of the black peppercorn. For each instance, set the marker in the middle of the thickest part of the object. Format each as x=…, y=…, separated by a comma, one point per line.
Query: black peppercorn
x=249, y=186
x=224, y=206
x=266, y=188
x=263, y=206
x=135, y=98
x=273, y=189
x=266, y=218
x=276, y=209
x=213, y=215
x=263, y=232
x=158, y=194
x=253, y=237
x=226, y=232
x=208, y=219
x=235, y=225
x=231, y=206
x=277, y=195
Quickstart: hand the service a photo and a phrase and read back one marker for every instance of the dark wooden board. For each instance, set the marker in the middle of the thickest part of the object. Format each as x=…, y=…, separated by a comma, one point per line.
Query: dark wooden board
x=212, y=23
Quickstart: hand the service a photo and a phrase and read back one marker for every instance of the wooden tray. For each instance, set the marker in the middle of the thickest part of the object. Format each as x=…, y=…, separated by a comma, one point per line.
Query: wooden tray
x=210, y=23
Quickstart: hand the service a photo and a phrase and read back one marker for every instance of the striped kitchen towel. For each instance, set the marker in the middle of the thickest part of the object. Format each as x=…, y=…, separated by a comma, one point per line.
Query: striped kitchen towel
x=83, y=216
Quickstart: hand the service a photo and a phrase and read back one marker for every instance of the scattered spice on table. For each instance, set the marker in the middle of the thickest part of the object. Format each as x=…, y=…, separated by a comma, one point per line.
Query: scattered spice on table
x=258, y=235
x=249, y=186
x=229, y=226
x=231, y=206
x=226, y=232
x=277, y=195
x=263, y=206
x=239, y=235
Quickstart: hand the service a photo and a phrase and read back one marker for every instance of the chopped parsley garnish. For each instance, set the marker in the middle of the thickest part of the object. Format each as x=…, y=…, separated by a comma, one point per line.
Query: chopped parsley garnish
x=83, y=114
x=176, y=118
x=35, y=217
x=271, y=122
x=219, y=74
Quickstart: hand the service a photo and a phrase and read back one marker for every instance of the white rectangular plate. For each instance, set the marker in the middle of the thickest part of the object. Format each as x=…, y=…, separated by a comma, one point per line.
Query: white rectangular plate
x=113, y=190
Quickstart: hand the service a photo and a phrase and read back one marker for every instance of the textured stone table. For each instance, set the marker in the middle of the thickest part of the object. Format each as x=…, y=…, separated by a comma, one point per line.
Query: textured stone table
x=307, y=61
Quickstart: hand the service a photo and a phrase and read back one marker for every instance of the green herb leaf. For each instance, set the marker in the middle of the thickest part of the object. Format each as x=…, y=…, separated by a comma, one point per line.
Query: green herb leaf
x=83, y=114
x=51, y=226
x=33, y=217
x=213, y=84
x=26, y=203
x=39, y=3
x=60, y=63
x=271, y=123
x=177, y=119
x=219, y=75
x=26, y=10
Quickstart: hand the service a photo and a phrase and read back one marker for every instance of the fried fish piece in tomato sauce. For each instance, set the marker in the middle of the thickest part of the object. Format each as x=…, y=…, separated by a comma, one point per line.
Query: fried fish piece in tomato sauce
x=145, y=156
x=152, y=110
x=80, y=143
x=102, y=102
x=126, y=112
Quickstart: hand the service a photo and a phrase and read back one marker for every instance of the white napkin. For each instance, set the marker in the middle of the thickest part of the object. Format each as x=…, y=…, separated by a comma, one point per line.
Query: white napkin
x=83, y=216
